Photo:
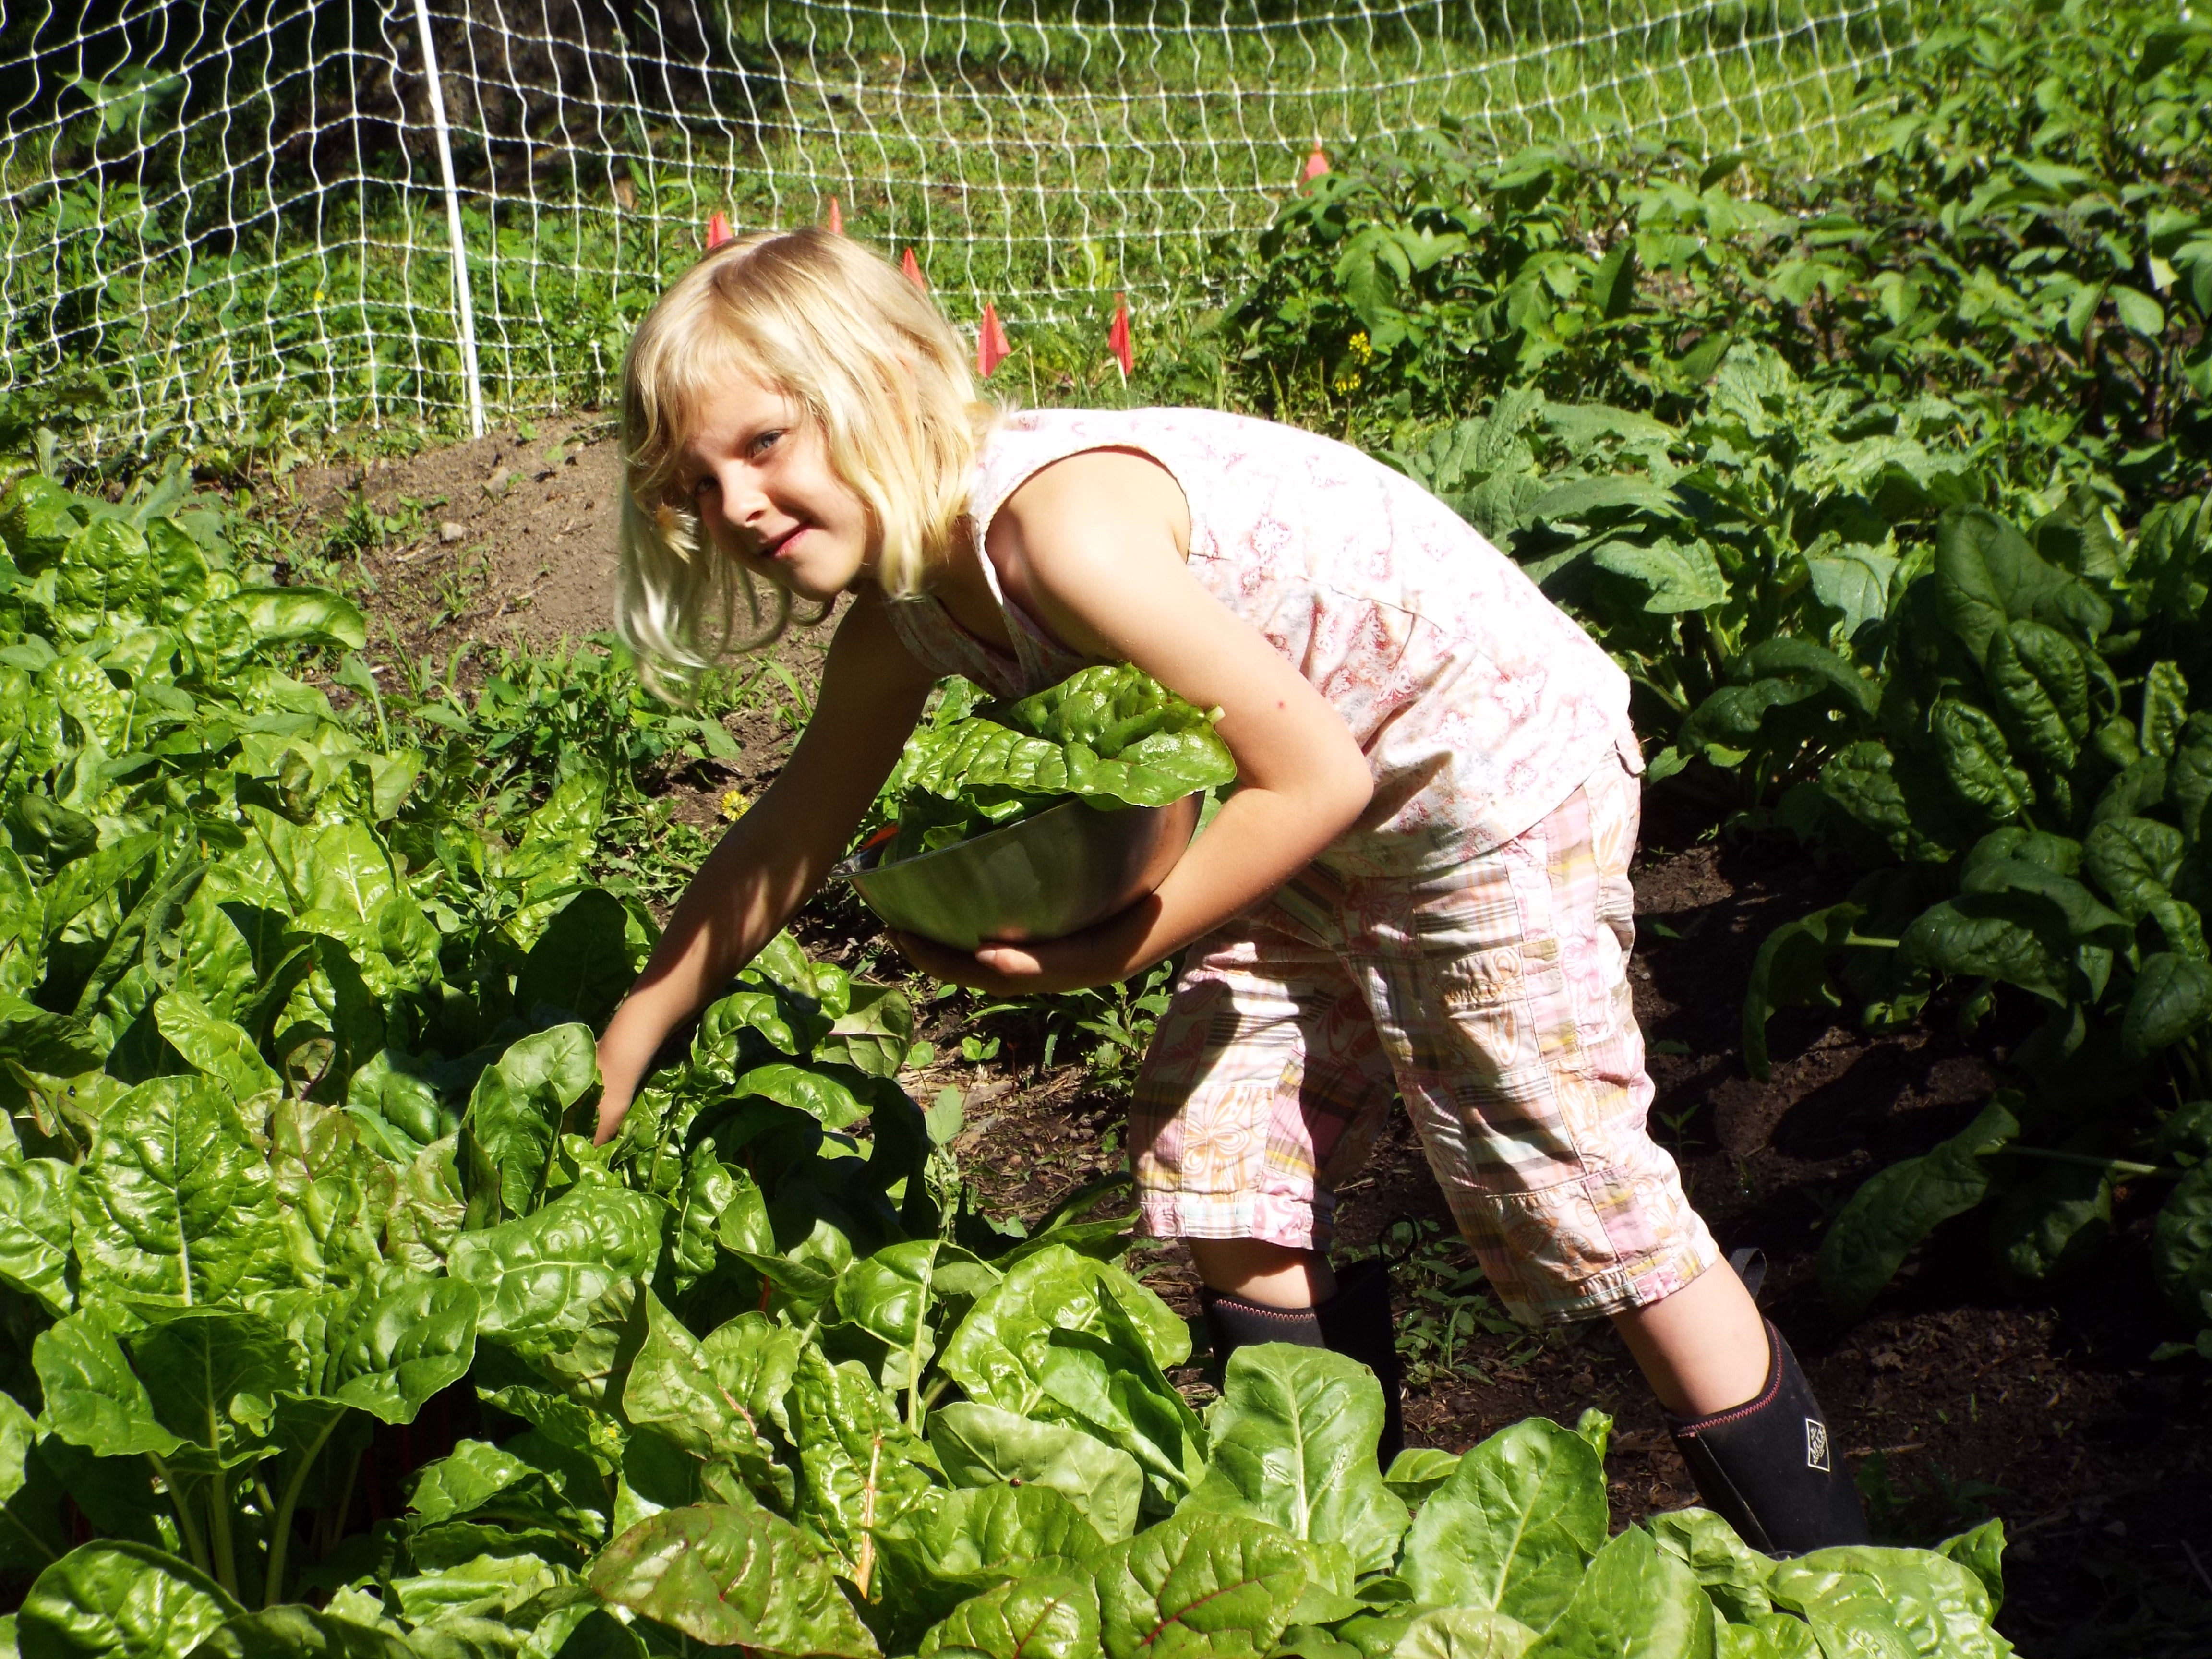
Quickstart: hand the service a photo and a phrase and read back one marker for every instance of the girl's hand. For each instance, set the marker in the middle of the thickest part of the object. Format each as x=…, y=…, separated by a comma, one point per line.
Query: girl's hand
x=1097, y=956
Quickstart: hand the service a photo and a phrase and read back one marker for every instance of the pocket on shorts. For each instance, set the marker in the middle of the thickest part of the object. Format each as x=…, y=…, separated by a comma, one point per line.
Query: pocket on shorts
x=1483, y=997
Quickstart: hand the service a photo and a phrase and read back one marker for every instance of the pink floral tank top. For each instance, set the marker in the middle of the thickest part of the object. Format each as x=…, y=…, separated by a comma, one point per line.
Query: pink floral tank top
x=1480, y=706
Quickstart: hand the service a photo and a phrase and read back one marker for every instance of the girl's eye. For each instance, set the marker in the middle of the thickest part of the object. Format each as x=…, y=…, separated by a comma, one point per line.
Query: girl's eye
x=765, y=442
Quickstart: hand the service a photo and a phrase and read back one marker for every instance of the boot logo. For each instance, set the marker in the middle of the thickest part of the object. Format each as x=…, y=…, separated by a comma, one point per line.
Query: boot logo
x=1816, y=1445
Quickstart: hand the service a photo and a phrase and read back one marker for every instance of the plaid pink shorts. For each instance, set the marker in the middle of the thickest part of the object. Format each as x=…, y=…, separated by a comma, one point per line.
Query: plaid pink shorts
x=1495, y=1000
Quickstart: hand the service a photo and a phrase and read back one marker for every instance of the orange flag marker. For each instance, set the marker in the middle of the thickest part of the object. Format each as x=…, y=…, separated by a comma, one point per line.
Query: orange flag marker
x=836, y=219
x=991, y=347
x=912, y=267
x=718, y=231
x=1316, y=164
x=1117, y=337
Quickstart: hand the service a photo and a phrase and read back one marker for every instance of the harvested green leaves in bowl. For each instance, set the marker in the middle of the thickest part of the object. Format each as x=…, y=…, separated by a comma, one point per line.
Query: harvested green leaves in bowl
x=1111, y=735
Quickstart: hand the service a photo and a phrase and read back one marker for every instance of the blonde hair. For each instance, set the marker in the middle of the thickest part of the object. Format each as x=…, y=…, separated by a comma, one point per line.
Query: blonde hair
x=874, y=366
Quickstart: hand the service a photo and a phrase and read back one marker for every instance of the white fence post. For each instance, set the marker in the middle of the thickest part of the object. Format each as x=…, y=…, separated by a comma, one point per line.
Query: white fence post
x=468, y=317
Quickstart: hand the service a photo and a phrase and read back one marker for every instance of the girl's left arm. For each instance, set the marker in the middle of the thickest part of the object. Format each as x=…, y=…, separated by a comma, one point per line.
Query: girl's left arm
x=1093, y=546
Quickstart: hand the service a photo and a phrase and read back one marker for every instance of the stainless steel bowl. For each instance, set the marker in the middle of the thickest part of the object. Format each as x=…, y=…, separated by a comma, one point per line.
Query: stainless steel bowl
x=1049, y=875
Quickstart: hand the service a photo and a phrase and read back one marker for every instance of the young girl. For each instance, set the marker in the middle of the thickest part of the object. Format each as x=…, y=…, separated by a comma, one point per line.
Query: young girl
x=1420, y=886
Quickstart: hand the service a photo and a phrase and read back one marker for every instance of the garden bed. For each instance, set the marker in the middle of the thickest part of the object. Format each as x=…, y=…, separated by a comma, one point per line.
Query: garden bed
x=2049, y=1414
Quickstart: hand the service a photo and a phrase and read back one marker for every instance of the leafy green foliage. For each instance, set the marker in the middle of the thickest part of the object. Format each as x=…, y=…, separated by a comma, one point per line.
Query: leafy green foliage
x=1108, y=734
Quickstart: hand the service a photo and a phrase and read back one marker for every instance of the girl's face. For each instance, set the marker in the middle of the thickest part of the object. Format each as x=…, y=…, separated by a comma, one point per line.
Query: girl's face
x=758, y=475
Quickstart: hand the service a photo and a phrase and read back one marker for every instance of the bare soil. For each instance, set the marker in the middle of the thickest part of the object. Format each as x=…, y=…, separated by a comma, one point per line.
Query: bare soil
x=510, y=537
x=1955, y=1400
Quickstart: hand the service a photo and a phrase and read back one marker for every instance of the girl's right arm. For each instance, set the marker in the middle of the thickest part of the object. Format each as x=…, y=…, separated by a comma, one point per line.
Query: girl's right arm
x=774, y=858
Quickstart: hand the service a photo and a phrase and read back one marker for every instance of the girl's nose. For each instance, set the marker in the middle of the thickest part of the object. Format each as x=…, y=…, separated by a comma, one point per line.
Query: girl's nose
x=743, y=502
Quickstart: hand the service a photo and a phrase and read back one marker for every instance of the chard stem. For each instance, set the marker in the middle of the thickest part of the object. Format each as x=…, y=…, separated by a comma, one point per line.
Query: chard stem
x=195, y=1546
x=2090, y=1161
x=225, y=1553
x=280, y=1532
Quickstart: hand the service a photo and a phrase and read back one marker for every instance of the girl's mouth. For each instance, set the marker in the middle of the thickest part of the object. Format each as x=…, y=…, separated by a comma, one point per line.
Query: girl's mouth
x=776, y=549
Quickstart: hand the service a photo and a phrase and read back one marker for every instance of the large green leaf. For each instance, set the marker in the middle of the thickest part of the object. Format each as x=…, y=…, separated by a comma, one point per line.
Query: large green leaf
x=522, y=1105
x=1513, y=1527
x=860, y=1469
x=119, y=1600
x=213, y=1375
x=980, y=1444
x=674, y=1385
x=1199, y=1586
x=174, y=1202
x=36, y=1229
x=214, y=1046
x=542, y=1272
x=873, y=1035
x=296, y=1632
x=978, y=1528
x=731, y=1577
x=2135, y=860
x=816, y=1092
x=1677, y=575
x=396, y=1106
x=2013, y=937
x=31, y=1531
x=1108, y=1382
x=581, y=963
x=1635, y=1599
x=1464, y=1634
x=1902, y=801
x=92, y=1397
x=999, y=1351
x=390, y=1345
x=1731, y=1572
x=1978, y=760
x=1855, y=579
x=1987, y=575
x=334, y=1195
x=2172, y=997
x=2181, y=1246
x=303, y=615
x=1050, y=1616
x=1293, y=1444
x=890, y=1295
x=1863, y=1599
x=1895, y=1209
x=2042, y=689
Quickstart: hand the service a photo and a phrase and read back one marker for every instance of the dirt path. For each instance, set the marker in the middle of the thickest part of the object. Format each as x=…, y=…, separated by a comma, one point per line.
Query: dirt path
x=1964, y=1400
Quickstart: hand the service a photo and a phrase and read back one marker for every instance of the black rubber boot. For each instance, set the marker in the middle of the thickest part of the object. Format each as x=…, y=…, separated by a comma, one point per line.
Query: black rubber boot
x=1355, y=1323
x=1771, y=1469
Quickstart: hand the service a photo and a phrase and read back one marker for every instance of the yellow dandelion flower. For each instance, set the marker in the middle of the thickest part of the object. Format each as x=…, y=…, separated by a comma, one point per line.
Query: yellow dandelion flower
x=734, y=805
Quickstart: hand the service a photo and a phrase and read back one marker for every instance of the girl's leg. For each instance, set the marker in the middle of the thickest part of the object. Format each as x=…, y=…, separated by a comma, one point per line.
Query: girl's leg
x=1264, y=1087
x=1273, y=1275
x=1703, y=1349
x=1520, y=1058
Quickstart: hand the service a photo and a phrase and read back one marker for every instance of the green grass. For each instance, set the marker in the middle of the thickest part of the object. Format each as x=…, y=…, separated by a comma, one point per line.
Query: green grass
x=1045, y=163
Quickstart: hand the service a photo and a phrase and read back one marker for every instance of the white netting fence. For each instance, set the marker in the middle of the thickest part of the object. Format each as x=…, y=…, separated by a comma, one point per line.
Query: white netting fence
x=243, y=213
